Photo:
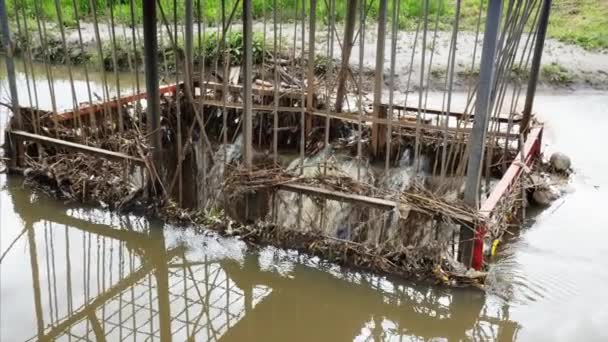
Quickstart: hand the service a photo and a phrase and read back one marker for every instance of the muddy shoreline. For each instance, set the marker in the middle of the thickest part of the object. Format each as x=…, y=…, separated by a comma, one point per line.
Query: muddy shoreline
x=565, y=66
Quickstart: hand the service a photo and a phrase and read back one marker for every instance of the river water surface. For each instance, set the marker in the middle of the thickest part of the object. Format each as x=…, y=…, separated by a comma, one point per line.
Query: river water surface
x=75, y=274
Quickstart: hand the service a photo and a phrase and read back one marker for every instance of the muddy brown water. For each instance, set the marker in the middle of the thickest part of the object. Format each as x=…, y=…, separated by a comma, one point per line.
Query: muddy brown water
x=77, y=273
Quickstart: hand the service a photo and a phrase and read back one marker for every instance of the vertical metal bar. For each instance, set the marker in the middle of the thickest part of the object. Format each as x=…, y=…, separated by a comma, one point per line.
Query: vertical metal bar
x=535, y=67
x=379, y=77
x=10, y=63
x=480, y=125
x=311, y=59
x=189, y=43
x=248, y=65
x=151, y=72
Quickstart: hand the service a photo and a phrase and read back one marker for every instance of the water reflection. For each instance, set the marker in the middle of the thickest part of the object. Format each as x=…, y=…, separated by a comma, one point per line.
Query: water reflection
x=97, y=276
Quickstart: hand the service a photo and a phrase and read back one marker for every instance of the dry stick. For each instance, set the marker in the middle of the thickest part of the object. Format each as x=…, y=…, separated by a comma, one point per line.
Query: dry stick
x=360, y=91
x=92, y=122
x=391, y=94
x=115, y=65
x=106, y=93
x=422, y=62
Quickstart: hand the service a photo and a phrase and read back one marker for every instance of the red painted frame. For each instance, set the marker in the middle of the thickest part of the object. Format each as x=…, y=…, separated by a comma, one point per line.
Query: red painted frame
x=531, y=150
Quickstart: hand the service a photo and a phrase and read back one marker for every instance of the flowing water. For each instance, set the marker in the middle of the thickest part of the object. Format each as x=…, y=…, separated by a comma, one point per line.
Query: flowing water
x=75, y=273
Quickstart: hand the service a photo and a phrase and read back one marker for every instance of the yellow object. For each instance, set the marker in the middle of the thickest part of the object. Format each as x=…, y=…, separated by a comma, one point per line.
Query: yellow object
x=494, y=246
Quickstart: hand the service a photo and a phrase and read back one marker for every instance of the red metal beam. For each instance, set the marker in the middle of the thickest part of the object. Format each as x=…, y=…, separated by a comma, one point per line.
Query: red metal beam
x=530, y=151
x=99, y=106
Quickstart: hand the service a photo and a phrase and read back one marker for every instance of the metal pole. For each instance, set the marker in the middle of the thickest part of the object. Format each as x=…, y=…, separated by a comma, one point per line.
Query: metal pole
x=247, y=65
x=480, y=125
x=379, y=77
x=189, y=43
x=311, y=60
x=151, y=72
x=543, y=22
x=16, y=154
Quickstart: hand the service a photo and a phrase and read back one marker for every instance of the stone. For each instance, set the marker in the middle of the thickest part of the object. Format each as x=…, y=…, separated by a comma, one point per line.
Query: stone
x=560, y=161
x=544, y=197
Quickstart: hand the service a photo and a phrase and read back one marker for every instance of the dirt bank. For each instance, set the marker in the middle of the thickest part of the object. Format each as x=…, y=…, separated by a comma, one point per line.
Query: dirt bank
x=564, y=66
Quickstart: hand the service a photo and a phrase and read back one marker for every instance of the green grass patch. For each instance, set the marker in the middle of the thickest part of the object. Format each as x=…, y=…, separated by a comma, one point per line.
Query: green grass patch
x=581, y=22
x=556, y=74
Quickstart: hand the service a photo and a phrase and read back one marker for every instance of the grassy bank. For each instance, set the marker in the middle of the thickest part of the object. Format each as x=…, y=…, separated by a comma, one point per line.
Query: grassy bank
x=581, y=22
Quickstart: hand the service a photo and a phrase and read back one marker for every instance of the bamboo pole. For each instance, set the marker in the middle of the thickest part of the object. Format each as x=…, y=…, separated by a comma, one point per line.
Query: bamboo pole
x=379, y=76
x=347, y=46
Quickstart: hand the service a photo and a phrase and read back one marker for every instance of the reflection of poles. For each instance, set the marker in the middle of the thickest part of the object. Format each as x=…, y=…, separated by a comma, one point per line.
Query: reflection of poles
x=535, y=68
x=480, y=126
x=35, y=277
x=158, y=255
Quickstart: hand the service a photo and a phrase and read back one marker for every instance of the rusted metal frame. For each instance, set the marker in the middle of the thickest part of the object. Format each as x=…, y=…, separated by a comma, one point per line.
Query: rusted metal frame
x=458, y=115
x=536, y=62
x=100, y=335
x=96, y=107
x=530, y=150
x=247, y=93
x=41, y=139
x=508, y=183
x=482, y=108
x=379, y=73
